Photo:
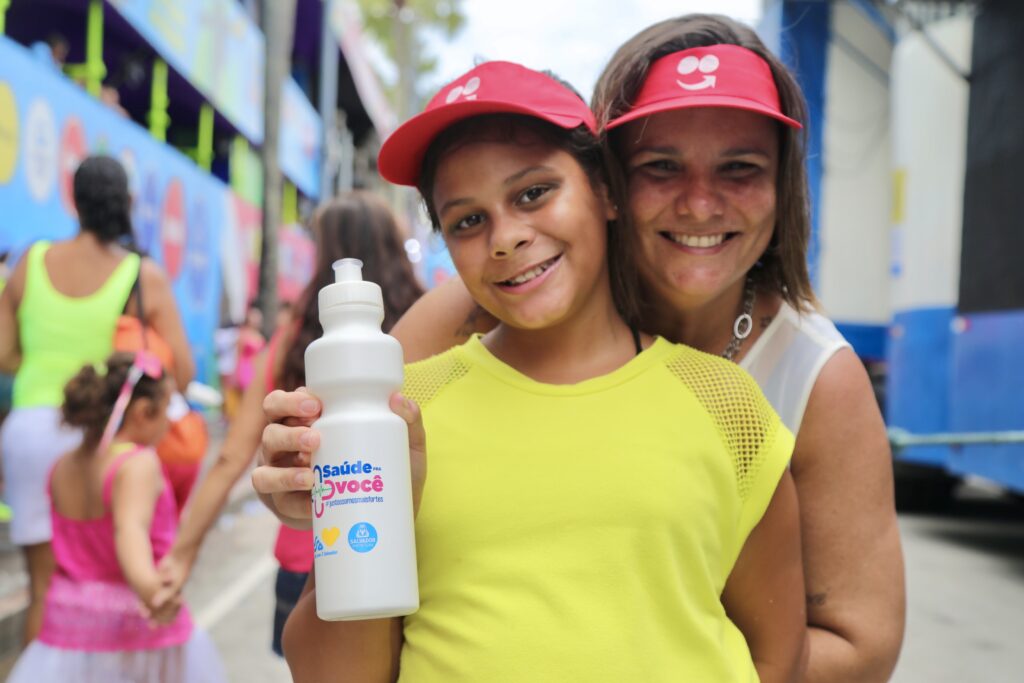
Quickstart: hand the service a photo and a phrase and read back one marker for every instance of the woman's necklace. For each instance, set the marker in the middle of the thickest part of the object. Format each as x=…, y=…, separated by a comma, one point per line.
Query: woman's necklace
x=744, y=322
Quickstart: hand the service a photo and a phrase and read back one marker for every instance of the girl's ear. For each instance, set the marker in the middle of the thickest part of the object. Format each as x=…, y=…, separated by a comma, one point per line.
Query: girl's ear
x=140, y=409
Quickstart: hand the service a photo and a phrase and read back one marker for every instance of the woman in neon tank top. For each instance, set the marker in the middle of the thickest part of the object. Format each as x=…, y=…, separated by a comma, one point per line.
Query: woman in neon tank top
x=593, y=511
x=694, y=294
x=57, y=313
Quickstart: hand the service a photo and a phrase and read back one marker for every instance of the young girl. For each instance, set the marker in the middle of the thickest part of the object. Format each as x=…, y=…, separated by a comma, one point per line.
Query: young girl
x=113, y=517
x=601, y=506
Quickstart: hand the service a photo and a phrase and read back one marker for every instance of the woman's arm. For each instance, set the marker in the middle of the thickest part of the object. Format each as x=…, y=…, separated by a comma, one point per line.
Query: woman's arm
x=444, y=317
x=764, y=593
x=10, y=298
x=236, y=454
x=853, y=563
x=137, y=485
x=161, y=312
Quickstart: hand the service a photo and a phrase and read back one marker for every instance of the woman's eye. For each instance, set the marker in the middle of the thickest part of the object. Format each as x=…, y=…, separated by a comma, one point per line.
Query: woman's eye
x=658, y=166
x=466, y=223
x=740, y=169
x=532, y=194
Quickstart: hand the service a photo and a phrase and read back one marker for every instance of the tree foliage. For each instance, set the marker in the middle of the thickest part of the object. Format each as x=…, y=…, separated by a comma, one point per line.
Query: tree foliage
x=444, y=17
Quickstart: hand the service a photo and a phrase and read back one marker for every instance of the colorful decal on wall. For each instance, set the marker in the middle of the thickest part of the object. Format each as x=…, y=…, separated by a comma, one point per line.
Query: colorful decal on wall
x=8, y=133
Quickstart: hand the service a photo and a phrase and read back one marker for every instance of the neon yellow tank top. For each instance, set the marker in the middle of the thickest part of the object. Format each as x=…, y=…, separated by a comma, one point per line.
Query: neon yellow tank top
x=585, y=532
x=59, y=334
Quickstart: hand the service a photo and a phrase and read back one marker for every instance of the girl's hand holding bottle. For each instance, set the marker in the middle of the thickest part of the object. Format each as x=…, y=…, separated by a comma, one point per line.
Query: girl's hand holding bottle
x=284, y=477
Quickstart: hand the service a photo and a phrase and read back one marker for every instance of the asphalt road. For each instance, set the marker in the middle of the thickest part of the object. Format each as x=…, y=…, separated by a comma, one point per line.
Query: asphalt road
x=965, y=571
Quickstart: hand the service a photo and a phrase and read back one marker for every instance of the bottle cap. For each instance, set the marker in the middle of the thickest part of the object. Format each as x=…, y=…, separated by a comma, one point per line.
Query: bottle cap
x=349, y=287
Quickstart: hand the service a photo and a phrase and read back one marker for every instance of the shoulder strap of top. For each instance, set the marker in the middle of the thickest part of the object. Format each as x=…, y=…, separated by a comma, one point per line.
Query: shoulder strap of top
x=129, y=450
x=35, y=271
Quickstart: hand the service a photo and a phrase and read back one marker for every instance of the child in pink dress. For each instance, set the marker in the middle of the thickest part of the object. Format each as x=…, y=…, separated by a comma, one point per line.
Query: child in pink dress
x=113, y=518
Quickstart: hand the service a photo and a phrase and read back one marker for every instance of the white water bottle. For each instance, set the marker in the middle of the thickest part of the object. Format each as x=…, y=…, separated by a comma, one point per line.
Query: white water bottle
x=364, y=543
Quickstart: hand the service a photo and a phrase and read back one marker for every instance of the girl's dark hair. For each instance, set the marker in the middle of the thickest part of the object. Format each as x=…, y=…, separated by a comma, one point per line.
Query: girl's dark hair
x=102, y=199
x=580, y=143
x=784, y=263
x=90, y=395
x=353, y=225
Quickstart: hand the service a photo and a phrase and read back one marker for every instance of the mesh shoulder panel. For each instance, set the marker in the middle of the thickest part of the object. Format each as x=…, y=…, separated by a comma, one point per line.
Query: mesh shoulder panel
x=424, y=379
x=742, y=414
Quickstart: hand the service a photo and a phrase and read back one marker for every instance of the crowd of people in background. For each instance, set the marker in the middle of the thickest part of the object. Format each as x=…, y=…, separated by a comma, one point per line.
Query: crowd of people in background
x=619, y=198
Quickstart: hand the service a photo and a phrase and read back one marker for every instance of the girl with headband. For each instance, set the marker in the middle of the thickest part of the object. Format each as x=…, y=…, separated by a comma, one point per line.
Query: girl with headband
x=106, y=617
x=600, y=505
x=721, y=241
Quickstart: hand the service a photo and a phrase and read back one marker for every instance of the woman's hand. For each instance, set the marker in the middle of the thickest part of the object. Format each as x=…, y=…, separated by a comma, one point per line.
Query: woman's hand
x=284, y=478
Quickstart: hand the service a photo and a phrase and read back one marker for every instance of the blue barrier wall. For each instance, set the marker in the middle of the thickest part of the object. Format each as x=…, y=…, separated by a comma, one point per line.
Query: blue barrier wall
x=47, y=125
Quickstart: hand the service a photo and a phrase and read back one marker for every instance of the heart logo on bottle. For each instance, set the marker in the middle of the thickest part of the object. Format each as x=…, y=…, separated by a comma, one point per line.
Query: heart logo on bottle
x=330, y=535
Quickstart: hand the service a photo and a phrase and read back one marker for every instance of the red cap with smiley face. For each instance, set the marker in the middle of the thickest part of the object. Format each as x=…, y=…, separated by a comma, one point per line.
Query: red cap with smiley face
x=715, y=76
x=491, y=88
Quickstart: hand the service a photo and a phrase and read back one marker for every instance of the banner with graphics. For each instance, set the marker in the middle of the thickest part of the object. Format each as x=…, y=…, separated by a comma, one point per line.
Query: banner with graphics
x=47, y=126
x=218, y=49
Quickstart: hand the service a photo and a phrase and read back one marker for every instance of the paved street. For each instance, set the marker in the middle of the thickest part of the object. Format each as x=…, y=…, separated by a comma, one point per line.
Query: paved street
x=965, y=581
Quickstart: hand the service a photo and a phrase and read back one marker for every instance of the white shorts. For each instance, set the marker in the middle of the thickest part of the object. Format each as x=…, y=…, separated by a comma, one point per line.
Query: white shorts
x=30, y=442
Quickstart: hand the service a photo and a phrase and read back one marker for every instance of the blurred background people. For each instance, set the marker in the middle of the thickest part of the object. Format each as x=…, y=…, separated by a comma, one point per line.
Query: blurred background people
x=353, y=225
x=59, y=312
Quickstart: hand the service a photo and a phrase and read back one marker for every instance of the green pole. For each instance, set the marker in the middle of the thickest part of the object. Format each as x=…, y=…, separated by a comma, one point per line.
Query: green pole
x=4, y=4
x=290, y=204
x=95, y=69
x=236, y=164
x=158, y=101
x=204, y=145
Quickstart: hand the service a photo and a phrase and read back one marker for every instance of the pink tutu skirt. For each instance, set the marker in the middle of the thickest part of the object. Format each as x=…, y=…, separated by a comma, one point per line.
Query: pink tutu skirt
x=95, y=631
x=196, y=661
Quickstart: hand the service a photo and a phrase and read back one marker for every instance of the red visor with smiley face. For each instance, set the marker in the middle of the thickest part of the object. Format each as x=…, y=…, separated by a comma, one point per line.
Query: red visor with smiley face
x=715, y=76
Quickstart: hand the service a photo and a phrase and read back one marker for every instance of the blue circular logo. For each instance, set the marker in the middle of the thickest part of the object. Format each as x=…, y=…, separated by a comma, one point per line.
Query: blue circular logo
x=362, y=537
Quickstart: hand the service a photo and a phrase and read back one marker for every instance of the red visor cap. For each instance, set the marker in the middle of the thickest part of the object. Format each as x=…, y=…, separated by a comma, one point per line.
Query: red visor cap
x=491, y=88
x=716, y=76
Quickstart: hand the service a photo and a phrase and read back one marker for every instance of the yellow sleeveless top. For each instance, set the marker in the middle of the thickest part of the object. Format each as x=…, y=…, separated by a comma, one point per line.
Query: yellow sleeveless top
x=59, y=334
x=585, y=532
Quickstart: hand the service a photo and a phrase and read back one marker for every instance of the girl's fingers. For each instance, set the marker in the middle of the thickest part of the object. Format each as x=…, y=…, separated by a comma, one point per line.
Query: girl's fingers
x=407, y=409
x=295, y=506
x=299, y=404
x=280, y=441
x=271, y=480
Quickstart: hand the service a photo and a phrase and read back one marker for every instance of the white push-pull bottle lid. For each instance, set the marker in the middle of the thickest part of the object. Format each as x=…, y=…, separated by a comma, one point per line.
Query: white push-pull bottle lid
x=349, y=286
x=348, y=270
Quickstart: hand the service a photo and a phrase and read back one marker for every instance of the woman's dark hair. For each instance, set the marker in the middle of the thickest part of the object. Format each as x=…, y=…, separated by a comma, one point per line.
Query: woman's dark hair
x=90, y=395
x=102, y=199
x=353, y=225
x=784, y=263
x=580, y=143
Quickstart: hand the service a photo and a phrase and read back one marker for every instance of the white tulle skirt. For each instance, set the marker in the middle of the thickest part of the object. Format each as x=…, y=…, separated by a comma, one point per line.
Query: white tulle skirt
x=196, y=661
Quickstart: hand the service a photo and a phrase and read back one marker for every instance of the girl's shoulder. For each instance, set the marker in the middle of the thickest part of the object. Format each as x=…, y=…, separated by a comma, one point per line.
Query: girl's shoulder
x=135, y=465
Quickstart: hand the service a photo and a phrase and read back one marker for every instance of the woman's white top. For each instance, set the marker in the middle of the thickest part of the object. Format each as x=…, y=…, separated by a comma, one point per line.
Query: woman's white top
x=787, y=357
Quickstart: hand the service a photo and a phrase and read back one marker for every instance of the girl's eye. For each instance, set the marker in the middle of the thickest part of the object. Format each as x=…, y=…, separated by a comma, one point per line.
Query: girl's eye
x=470, y=221
x=532, y=194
